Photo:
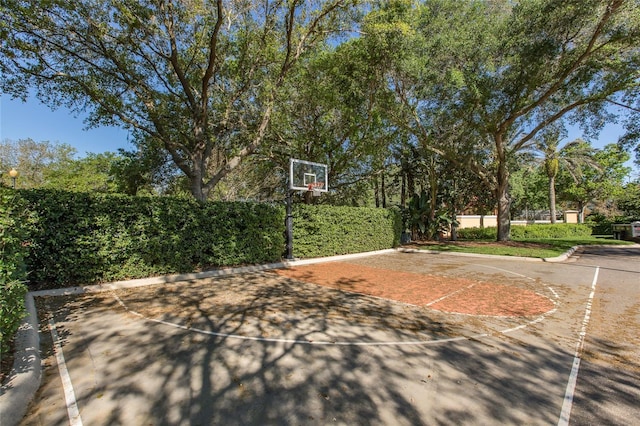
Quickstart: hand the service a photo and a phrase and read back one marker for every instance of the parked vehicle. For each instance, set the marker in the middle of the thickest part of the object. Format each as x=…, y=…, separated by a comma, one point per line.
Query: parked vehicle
x=626, y=231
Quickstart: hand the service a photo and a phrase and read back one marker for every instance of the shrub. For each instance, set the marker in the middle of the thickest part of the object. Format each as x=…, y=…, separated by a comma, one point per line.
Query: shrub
x=489, y=233
x=535, y=231
x=557, y=230
x=12, y=268
x=329, y=230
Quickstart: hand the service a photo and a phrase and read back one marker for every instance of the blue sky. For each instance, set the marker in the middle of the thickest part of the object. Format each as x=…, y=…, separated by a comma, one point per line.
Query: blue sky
x=32, y=119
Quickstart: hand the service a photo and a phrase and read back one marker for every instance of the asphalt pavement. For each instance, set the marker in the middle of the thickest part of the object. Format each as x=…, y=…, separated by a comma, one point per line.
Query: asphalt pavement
x=576, y=365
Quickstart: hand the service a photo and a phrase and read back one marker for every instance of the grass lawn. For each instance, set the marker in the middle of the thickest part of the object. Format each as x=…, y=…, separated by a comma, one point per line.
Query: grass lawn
x=538, y=248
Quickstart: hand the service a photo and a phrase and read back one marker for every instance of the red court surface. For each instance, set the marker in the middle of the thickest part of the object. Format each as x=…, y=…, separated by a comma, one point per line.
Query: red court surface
x=447, y=294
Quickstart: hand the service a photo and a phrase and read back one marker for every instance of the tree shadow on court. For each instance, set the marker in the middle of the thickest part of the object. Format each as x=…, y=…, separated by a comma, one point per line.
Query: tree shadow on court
x=262, y=349
x=608, y=383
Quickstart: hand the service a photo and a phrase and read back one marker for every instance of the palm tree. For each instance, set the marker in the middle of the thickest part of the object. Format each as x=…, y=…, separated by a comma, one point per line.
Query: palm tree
x=572, y=157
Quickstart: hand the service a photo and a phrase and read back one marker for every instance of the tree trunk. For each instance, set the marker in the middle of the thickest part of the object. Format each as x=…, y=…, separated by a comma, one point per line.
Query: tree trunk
x=376, y=191
x=198, y=189
x=411, y=188
x=502, y=195
x=308, y=197
x=382, y=191
x=403, y=191
x=552, y=199
x=581, y=207
x=454, y=225
x=454, y=211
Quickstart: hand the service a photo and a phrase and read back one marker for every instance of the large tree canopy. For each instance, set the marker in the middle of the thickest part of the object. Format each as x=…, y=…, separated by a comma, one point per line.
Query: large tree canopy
x=469, y=84
x=487, y=77
x=601, y=179
x=198, y=78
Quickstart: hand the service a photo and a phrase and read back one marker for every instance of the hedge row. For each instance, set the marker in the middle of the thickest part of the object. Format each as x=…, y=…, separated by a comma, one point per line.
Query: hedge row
x=86, y=238
x=535, y=231
x=329, y=230
x=79, y=238
x=13, y=274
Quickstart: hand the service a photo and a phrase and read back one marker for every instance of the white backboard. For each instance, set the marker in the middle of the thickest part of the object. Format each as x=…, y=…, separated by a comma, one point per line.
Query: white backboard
x=307, y=176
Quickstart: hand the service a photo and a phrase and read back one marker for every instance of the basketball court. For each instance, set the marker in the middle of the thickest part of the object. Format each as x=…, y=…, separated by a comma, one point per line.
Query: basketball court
x=392, y=338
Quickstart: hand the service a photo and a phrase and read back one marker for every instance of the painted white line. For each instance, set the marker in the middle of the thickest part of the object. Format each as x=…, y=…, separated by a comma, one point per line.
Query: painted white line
x=504, y=270
x=527, y=324
x=298, y=342
x=573, y=377
x=555, y=300
x=69, y=395
x=453, y=293
x=555, y=294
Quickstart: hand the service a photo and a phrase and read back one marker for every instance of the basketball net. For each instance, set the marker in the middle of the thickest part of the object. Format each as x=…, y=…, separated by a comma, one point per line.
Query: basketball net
x=315, y=188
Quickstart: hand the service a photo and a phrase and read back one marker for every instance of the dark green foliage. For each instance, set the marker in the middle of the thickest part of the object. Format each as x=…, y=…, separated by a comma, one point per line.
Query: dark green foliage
x=424, y=219
x=629, y=200
x=81, y=238
x=535, y=231
x=13, y=219
x=477, y=233
x=328, y=230
x=601, y=224
x=558, y=230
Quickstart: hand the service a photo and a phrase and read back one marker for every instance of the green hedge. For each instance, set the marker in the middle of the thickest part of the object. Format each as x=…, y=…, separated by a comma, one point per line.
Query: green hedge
x=13, y=249
x=558, y=230
x=534, y=231
x=488, y=233
x=328, y=230
x=81, y=238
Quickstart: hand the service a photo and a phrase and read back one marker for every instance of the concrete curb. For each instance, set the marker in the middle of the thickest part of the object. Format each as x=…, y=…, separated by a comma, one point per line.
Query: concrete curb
x=24, y=380
x=116, y=285
x=562, y=257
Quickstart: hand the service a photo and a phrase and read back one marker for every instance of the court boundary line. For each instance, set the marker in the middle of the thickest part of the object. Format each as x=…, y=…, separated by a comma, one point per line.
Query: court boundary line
x=567, y=404
x=67, y=386
x=451, y=294
x=295, y=341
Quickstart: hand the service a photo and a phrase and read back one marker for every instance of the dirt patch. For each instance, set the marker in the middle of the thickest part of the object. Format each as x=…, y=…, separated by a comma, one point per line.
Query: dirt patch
x=443, y=293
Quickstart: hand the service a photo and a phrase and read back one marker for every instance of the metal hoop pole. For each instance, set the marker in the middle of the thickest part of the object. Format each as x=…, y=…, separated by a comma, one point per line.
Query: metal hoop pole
x=289, y=225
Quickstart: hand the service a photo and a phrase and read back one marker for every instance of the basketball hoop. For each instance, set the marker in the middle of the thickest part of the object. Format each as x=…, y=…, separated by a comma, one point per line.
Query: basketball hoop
x=315, y=188
x=308, y=176
x=303, y=176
